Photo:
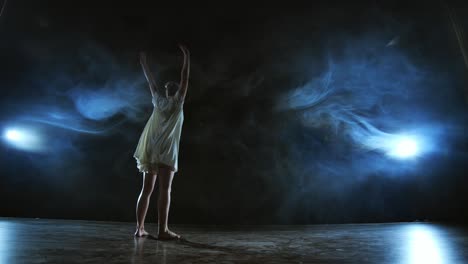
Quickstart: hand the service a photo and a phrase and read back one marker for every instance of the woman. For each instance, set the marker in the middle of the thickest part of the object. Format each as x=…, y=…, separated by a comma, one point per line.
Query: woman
x=158, y=147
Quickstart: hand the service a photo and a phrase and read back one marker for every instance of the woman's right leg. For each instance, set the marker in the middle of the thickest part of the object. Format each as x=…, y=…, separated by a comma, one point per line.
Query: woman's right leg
x=149, y=180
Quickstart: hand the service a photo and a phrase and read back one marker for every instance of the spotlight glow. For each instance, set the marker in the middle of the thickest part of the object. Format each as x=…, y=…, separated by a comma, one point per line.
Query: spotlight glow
x=404, y=147
x=13, y=135
x=23, y=139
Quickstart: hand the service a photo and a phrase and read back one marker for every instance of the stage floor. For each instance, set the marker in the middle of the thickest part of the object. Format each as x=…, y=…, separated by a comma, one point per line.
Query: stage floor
x=65, y=241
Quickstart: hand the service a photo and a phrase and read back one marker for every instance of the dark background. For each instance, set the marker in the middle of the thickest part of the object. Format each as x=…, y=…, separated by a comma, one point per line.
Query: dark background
x=248, y=155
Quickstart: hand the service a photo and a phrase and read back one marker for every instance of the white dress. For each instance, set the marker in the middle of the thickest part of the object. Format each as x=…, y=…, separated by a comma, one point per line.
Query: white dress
x=159, y=141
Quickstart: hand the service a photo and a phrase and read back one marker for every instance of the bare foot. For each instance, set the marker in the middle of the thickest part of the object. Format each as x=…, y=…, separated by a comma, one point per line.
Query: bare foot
x=168, y=235
x=141, y=233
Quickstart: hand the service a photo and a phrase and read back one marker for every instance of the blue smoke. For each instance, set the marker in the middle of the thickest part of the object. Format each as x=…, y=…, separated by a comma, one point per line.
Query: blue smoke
x=370, y=93
x=94, y=95
x=89, y=110
x=103, y=103
x=65, y=119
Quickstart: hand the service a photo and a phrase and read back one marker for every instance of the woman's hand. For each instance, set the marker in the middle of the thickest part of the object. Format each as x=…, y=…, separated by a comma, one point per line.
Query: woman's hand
x=143, y=57
x=184, y=74
x=184, y=49
x=146, y=70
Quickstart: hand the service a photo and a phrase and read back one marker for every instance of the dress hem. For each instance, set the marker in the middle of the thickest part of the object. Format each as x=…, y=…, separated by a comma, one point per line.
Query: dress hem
x=145, y=167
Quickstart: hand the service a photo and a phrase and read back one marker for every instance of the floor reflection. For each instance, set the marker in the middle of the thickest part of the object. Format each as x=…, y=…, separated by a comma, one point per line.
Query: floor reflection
x=5, y=252
x=161, y=252
x=143, y=250
x=138, y=243
x=62, y=241
x=426, y=244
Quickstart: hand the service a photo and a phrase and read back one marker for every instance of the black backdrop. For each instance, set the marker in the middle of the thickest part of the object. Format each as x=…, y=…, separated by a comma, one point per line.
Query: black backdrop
x=242, y=161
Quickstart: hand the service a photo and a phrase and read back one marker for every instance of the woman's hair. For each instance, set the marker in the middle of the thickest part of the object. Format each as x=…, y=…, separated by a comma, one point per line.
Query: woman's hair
x=172, y=88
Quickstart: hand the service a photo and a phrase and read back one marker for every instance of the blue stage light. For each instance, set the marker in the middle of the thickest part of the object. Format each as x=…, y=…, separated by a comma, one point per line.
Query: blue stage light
x=403, y=147
x=24, y=139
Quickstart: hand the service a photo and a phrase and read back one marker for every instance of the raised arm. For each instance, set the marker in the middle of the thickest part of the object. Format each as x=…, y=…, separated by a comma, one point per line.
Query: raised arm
x=184, y=74
x=2, y=8
x=149, y=76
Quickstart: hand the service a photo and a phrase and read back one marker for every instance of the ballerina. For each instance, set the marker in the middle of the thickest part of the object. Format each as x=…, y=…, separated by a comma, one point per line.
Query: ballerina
x=158, y=148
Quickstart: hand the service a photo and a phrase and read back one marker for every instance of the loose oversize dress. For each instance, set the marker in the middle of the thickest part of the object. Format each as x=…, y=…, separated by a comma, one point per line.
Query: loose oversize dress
x=159, y=141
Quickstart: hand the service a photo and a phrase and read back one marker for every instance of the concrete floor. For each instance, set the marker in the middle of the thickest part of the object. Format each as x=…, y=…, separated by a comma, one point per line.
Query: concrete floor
x=62, y=241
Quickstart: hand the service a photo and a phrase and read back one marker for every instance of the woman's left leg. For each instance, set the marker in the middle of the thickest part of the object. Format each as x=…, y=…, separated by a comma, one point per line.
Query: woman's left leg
x=166, y=174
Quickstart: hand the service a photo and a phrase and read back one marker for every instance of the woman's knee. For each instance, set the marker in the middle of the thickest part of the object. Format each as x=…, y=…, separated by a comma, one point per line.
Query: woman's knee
x=165, y=188
x=165, y=179
x=147, y=190
x=165, y=185
x=148, y=184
